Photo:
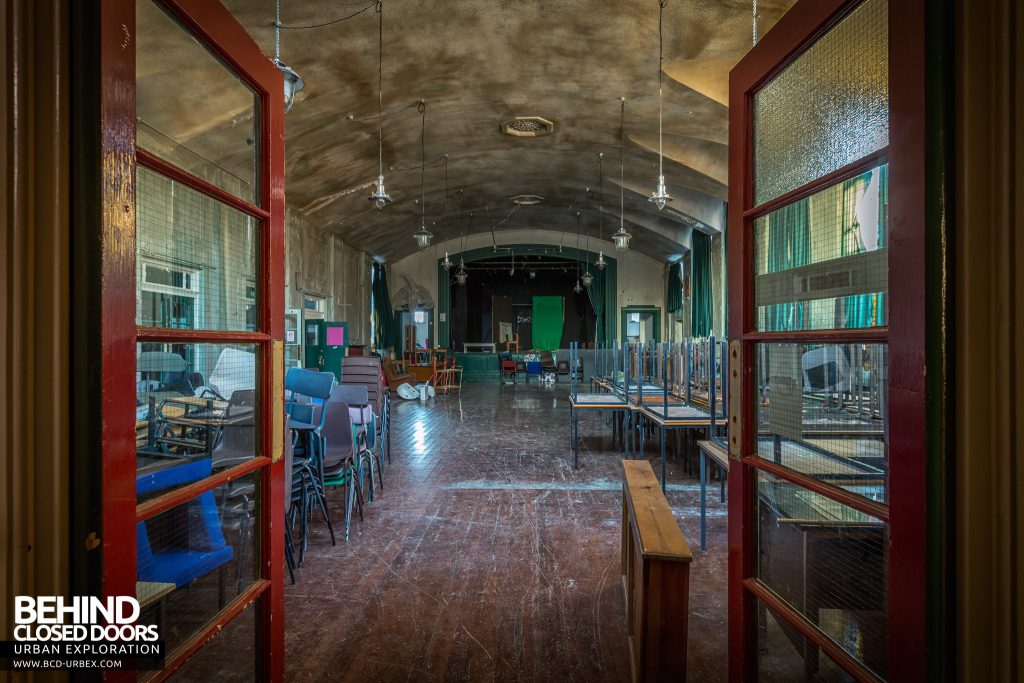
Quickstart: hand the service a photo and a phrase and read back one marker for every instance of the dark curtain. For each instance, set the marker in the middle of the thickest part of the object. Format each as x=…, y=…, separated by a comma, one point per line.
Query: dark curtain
x=789, y=246
x=386, y=332
x=675, y=288
x=700, y=285
x=596, y=293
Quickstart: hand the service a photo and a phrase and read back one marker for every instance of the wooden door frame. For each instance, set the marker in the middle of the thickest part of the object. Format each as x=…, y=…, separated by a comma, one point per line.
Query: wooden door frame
x=105, y=154
x=907, y=335
x=641, y=308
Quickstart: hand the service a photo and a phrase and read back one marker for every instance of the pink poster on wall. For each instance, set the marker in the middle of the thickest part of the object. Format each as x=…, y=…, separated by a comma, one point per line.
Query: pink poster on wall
x=335, y=336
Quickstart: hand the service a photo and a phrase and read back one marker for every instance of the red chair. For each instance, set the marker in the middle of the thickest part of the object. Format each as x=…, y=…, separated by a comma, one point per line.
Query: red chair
x=508, y=369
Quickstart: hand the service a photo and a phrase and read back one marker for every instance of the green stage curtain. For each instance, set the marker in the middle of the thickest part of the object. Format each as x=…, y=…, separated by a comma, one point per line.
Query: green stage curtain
x=385, y=332
x=700, y=285
x=789, y=246
x=596, y=293
x=548, y=315
x=674, y=297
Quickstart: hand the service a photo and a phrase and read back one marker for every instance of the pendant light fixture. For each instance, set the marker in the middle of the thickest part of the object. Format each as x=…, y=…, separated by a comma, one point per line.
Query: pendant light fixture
x=587, y=278
x=293, y=83
x=661, y=196
x=380, y=197
x=621, y=237
x=423, y=236
x=600, y=263
x=447, y=262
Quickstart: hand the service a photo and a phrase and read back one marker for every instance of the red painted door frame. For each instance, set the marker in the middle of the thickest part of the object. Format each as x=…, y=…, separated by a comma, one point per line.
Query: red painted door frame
x=215, y=27
x=906, y=510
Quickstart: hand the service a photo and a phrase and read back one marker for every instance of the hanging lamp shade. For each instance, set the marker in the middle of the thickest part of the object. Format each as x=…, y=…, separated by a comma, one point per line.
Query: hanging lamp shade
x=621, y=239
x=461, y=275
x=661, y=196
x=380, y=197
x=447, y=262
x=587, y=279
x=576, y=288
x=600, y=262
x=423, y=236
x=293, y=83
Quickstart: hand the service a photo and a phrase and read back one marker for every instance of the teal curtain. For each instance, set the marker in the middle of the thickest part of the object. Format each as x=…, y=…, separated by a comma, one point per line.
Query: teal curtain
x=674, y=296
x=700, y=285
x=596, y=293
x=548, y=315
x=385, y=332
x=863, y=310
x=789, y=246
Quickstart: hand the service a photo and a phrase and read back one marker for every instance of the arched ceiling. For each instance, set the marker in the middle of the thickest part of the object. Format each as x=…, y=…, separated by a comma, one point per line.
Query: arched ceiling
x=477, y=63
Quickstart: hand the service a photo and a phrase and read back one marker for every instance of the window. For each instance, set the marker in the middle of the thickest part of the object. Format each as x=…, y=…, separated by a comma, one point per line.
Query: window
x=167, y=277
x=420, y=317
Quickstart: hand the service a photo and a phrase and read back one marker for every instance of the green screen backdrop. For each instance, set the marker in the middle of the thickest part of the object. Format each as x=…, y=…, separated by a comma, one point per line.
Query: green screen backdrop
x=548, y=313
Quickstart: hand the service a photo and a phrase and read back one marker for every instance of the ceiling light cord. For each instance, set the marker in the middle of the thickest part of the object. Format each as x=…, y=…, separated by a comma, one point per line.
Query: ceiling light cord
x=422, y=108
x=277, y=33
x=622, y=163
x=600, y=176
x=661, y=77
x=755, y=22
x=446, y=204
x=379, y=9
x=333, y=21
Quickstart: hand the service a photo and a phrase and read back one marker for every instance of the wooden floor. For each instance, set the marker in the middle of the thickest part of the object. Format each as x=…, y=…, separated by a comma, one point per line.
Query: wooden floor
x=488, y=557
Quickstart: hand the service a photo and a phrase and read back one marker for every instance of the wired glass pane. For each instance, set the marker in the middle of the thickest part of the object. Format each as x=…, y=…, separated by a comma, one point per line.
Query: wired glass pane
x=197, y=259
x=195, y=558
x=191, y=109
x=822, y=410
x=828, y=108
x=822, y=261
x=784, y=655
x=195, y=413
x=231, y=655
x=829, y=562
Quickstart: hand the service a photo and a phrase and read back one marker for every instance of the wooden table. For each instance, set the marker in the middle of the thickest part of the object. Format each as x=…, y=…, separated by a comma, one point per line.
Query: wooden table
x=655, y=578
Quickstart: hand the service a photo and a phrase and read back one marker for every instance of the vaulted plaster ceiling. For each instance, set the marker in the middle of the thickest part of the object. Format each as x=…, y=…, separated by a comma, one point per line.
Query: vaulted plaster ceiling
x=477, y=63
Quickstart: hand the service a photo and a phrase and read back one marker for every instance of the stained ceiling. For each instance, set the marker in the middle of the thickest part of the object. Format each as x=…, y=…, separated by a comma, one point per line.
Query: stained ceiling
x=476, y=64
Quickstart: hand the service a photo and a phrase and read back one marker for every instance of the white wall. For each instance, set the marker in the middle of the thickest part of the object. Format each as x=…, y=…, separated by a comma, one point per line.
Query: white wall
x=641, y=279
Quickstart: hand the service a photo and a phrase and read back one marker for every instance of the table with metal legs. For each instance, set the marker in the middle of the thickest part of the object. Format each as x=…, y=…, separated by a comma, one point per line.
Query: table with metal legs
x=717, y=452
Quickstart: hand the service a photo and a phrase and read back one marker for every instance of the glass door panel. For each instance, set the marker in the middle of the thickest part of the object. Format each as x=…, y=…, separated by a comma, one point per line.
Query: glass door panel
x=208, y=358
x=192, y=110
x=814, y=539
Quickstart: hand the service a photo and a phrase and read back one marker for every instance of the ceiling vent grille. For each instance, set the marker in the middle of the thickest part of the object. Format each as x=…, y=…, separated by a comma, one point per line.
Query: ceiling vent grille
x=527, y=127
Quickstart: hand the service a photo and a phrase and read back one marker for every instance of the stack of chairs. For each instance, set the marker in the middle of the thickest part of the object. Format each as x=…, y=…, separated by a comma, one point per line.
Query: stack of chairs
x=337, y=442
x=308, y=392
x=366, y=371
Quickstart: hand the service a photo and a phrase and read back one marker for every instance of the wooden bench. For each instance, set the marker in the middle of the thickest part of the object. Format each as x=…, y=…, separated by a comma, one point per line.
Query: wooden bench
x=655, y=577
